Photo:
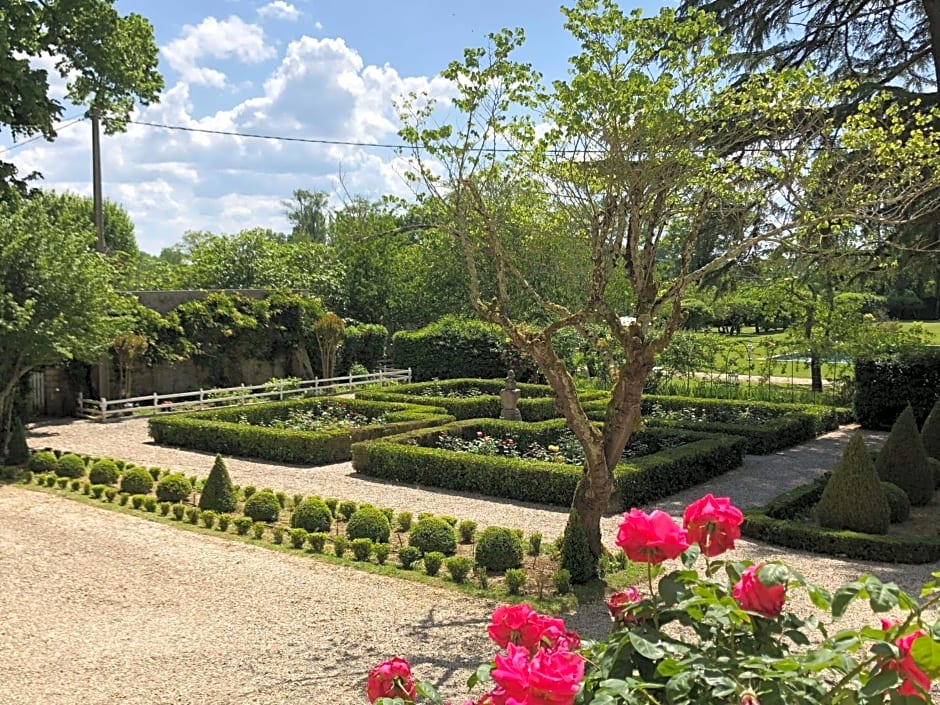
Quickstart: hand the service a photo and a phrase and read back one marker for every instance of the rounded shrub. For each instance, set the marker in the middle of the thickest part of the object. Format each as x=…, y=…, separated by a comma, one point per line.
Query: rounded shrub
x=369, y=523
x=381, y=551
x=174, y=488
x=407, y=555
x=433, y=534
x=498, y=548
x=317, y=541
x=218, y=494
x=467, y=530
x=362, y=549
x=312, y=515
x=70, y=465
x=263, y=506
x=854, y=497
x=515, y=580
x=43, y=461
x=459, y=568
x=433, y=562
x=136, y=481
x=898, y=502
x=103, y=472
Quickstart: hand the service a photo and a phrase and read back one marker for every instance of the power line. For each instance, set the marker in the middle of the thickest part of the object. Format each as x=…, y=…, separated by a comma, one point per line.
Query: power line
x=36, y=138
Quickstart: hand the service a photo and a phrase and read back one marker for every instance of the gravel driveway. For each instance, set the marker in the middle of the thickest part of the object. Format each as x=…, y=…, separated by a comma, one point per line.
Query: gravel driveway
x=101, y=607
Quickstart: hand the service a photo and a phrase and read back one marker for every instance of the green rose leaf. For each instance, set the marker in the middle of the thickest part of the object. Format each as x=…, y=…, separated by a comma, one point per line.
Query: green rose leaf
x=646, y=648
x=879, y=683
x=773, y=574
x=426, y=690
x=926, y=653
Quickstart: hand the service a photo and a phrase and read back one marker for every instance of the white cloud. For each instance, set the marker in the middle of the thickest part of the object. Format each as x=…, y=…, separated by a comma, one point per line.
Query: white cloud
x=280, y=10
x=172, y=181
x=216, y=39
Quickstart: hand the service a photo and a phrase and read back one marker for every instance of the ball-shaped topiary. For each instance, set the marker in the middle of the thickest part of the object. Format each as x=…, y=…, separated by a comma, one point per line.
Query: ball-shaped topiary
x=369, y=523
x=103, y=472
x=70, y=465
x=174, y=488
x=312, y=515
x=218, y=494
x=136, y=481
x=263, y=506
x=903, y=460
x=898, y=502
x=43, y=461
x=854, y=498
x=930, y=433
x=433, y=534
x=498, y=548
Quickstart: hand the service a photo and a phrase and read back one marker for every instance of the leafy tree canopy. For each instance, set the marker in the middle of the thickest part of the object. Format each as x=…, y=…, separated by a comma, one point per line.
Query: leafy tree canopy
x=109, y=61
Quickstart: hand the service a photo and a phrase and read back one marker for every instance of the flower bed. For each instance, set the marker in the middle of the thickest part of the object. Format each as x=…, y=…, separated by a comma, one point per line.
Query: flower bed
x=412, y=457
x=782, y=522
x=476, y=398
x=768, y=427
x=718, y=633
x=247, y=431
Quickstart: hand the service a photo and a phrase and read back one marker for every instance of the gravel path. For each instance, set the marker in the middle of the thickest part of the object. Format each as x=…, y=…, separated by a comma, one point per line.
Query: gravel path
x=101, y=607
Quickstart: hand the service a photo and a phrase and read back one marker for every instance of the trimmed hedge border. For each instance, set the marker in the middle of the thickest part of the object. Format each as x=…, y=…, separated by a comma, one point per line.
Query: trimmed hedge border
x=410, y=457
x=218, y=430
x=537, y=401
x=794, y=424
x=777, y=523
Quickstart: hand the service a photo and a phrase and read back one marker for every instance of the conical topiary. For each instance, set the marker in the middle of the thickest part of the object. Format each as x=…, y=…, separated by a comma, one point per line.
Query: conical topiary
x=854, y=498
x=930, y=433
x=576, y=555
x=218, y=494
x=18, y=453
x=903, y=460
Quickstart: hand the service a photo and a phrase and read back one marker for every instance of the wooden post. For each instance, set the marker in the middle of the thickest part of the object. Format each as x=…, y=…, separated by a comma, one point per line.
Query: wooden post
x=201, y=405
x=156, y=402
x=104, y=409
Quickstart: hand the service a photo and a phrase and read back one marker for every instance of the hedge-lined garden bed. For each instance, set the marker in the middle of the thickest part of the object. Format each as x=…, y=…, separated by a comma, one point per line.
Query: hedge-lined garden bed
x=413, y=457
x=476, y=398
x=777, y=426
x=238, y=430
x=783, y=522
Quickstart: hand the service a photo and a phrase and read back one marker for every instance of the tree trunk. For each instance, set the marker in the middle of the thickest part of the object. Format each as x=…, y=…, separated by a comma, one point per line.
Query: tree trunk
x=815, y=368
x=6, y=418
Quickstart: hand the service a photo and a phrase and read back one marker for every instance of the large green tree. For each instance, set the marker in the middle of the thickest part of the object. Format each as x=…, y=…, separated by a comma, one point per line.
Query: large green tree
x=118, y=226
x=644, y=133
x=55, y=295
x=108, y=59
x=309, y=213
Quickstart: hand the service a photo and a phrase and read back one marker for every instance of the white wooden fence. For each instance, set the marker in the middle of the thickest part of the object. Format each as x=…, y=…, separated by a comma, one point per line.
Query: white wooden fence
x=109, y=409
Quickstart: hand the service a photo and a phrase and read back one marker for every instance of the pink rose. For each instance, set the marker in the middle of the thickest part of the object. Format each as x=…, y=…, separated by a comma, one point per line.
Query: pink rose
x=621, y=605
x=752, y=595
x=651, y=538
x=551, y=677
x=713, y=523
x=521, y=625
x=906, y=667
x=391, y=679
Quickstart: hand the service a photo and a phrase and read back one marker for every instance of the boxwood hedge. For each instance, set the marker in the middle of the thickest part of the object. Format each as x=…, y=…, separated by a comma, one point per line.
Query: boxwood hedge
x=225, y=431
x=536, y=403
x=412, y=457
x=782, y=522
x=790, y=424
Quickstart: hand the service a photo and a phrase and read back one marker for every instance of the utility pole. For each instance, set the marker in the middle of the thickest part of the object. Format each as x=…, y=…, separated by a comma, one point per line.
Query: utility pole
x=96, y=180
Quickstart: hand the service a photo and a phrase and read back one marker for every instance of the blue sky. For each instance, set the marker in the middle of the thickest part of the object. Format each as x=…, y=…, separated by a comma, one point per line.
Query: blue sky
x=302, y=68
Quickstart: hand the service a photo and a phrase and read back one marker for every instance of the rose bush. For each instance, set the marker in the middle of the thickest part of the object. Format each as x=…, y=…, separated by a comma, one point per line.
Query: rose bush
x=718, y=634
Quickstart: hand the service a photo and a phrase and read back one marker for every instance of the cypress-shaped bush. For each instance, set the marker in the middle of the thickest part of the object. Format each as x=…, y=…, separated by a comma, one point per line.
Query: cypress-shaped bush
x=930, y=433
x=854, y=498
x=218, y=494
x=576, y=555
x=903, y=461
x=18, y=453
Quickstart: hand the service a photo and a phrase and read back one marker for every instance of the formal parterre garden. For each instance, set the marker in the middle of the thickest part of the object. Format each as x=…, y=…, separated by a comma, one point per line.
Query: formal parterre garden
x=880, y=506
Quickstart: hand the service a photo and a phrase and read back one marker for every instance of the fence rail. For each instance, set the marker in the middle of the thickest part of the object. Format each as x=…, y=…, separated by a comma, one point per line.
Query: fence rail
x=110, y=409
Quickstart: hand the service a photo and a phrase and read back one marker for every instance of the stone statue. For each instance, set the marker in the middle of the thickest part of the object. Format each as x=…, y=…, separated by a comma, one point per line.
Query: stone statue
x=509, y=397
